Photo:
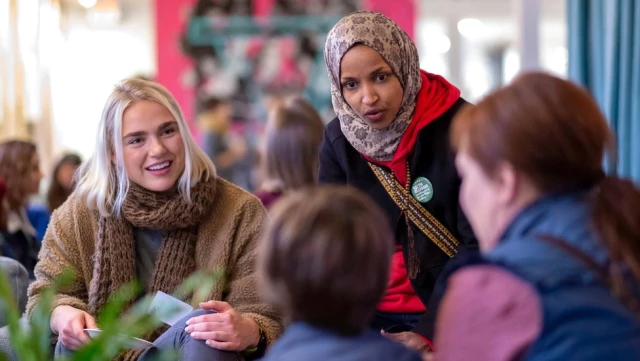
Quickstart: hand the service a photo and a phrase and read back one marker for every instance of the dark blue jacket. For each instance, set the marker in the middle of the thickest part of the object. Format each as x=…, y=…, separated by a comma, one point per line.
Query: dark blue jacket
x=304, y=342
x=582, y=320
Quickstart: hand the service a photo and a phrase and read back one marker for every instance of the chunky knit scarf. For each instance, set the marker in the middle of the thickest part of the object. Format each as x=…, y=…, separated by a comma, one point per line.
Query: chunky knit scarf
x=114, y=262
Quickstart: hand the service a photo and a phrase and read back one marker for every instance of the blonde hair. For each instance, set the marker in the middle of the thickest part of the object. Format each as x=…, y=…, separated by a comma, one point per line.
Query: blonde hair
x=292, y=139
x=102, y=180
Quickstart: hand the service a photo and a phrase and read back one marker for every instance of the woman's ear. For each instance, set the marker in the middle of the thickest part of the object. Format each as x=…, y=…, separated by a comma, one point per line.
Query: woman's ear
x=515, y=189
x=507, y=180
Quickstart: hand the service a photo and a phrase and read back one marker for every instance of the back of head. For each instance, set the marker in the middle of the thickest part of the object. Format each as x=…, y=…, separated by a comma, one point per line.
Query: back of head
x=15, y=161
x=292, y=139
x=102, y=180
x=547, y=128
x=553, y=132
x=324, y=258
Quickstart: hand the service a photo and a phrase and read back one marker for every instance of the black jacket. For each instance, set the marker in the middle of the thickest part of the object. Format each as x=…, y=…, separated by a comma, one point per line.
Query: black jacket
x=431, y=158
x=22, y=247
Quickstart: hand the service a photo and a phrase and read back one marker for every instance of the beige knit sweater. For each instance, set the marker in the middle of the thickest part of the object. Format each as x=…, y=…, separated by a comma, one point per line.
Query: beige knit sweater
x=226, y=241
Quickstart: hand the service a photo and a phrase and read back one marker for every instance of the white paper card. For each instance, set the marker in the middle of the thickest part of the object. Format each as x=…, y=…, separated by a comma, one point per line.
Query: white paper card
x=162, y=301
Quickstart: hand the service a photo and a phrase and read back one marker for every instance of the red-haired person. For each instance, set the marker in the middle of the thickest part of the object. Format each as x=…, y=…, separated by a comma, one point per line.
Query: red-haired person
x=560, y=274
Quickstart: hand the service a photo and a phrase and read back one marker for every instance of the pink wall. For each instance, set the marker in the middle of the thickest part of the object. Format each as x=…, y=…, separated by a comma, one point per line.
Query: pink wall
x=402, y=12
x=173, y=67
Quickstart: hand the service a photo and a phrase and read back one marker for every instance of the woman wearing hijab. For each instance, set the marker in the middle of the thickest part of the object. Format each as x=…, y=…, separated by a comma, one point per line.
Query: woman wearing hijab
x=390, y=140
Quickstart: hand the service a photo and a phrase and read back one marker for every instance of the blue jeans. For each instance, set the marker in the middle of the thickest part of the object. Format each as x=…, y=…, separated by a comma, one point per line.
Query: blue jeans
x=18, y=280
x=177, y=339
x=395, y=322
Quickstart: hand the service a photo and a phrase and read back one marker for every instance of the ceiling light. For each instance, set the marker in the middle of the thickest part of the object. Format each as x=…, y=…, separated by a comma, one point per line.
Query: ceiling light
x=440, y=44
x=470, y=27
x=87, y=4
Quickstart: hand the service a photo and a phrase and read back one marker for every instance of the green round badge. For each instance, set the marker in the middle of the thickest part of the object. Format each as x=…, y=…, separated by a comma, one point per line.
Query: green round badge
x=422, y=190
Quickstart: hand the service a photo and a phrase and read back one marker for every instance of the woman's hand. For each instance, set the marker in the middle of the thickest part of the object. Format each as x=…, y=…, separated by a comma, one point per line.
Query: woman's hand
x=428, y=356
x=412, y=341
x=225, y=330
x=69, y=323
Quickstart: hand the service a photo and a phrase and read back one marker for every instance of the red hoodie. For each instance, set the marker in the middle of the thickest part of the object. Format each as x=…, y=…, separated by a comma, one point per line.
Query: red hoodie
x=435, y=97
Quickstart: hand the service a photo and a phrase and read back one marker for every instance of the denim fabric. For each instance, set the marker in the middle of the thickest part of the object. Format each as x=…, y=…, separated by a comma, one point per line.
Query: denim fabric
x=6, y=347
x=18, y=280
x=176, y=338
x=395, y=322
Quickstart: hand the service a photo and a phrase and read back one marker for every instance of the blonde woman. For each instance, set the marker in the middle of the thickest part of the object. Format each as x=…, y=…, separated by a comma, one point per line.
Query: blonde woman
x=290, y=153
x=149, y=207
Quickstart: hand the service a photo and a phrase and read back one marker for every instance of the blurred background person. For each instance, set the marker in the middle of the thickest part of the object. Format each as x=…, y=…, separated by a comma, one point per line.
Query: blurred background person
x=12, y=269
x=20, y=168
x=224, y=149
x=62, y=180
x=289, y=158
x=60, y=187
x=4, y=247
x=560, y=275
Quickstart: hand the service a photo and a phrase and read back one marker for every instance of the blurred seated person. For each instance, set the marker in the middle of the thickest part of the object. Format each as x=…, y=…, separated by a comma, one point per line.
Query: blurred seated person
x=61, y=187
x=59, y=190
x=324, y=263
x=5, y=249
x=290, y=149
x=20, y=169
x=62, y=180
x=15, y=273
x=221, y=146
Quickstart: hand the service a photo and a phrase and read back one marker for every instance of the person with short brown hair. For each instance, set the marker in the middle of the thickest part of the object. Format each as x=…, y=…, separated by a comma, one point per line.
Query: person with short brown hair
x=290, y=152
x=559, y=278
x=324, y=263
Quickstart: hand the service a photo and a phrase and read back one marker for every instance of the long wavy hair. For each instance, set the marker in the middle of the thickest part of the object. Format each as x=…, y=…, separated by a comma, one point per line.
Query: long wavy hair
x=15, y=160
x=57, y=193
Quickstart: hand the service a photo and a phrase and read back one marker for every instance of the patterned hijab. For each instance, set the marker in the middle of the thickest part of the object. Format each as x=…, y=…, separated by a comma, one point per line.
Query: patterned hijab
x=396, y=47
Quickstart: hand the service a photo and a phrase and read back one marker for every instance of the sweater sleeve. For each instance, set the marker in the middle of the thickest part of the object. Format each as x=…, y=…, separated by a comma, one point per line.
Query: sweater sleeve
x=243, y=293
x=487, y=313
x=330, y=171
x=59, y=252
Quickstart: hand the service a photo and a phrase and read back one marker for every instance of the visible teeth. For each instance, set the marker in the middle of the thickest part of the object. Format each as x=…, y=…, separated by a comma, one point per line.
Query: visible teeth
x=159, y=166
